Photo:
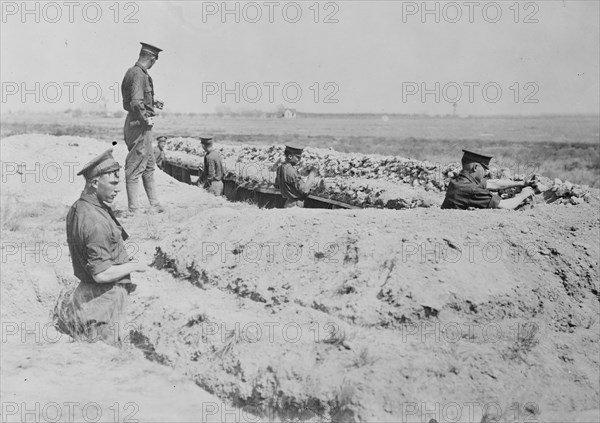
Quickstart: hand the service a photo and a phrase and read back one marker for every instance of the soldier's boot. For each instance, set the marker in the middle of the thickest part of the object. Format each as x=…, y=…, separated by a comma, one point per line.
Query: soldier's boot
x=132, y=196
x=150, y=187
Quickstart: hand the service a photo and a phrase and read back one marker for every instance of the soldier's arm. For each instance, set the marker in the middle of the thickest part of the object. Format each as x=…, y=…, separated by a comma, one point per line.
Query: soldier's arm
x=302, y=187
x=498, y=184
x=204, y=172
x=137, y=105
x=119, y=271
x=276, y=183
x=294, y=179
x=100, y=264
x=513, y=203
x=211, y=169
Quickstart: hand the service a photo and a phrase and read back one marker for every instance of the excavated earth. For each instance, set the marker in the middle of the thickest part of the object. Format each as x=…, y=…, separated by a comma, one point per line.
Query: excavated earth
x=308, y=314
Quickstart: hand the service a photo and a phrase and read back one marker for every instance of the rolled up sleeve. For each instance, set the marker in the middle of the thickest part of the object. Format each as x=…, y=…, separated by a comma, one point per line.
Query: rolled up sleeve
x=98, y=250
x=137, y=99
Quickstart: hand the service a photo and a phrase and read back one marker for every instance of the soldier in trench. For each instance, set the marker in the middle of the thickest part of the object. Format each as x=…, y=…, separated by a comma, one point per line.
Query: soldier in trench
x=159, y=152
x=100, y=261
x=288, y=180
x=471, y=188
x=213, y=170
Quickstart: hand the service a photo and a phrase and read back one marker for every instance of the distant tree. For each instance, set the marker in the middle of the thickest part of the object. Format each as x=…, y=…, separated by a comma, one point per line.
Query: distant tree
x=281, y=110
x=222, y=111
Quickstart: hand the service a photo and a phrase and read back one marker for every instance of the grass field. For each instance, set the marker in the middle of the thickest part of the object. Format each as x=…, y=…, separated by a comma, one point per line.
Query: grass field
x=566, y=147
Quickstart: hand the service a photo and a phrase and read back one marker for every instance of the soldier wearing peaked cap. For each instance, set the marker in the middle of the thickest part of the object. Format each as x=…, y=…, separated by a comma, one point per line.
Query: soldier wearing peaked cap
x=472, y=189
x=159, y=151
x=99, y=256
x=213, y=170
x=288, y=180
x=137, y=89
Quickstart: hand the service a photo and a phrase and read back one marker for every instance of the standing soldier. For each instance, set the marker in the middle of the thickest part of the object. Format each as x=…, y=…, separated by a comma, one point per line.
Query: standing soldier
x=98, y=253
x=138, y=100
x=212, y=173
x=289, y=181
x=159, y=152
x=471, y=189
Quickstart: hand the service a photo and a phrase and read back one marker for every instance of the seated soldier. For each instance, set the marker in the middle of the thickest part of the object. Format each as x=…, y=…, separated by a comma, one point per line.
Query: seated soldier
x=471, y=189
x=288, y=180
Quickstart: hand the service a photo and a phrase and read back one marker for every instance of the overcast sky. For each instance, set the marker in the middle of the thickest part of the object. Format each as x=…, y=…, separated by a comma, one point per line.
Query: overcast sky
x=371, y=56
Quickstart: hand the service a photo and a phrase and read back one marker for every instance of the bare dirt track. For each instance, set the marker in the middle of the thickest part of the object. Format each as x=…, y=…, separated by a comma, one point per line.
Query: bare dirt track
x=371, y=315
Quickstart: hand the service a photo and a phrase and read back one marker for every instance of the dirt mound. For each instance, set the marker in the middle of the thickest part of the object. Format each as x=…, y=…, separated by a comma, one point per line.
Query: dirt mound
x=370, y=315
x=388, y=290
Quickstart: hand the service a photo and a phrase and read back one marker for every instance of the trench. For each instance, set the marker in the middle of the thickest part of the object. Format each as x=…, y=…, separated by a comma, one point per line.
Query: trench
x=263, y=197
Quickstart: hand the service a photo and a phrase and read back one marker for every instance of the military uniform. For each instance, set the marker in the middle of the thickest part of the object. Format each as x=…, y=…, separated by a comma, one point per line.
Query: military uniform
x=137, y=89
x=96, y=242
x=159, y=155
x=464, y=191
x=290, y=183
x=212, y=172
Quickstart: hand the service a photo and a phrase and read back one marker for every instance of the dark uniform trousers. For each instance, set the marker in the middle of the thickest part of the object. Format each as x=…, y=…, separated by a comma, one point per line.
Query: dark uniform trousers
x=214, y=187
x=137, y=89
x=140, y=161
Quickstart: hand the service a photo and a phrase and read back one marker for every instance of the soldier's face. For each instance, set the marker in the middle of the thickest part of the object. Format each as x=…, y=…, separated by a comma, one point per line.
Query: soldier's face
x=479, y=172
x=294, y=159
x=152, y=61
x=107, y=187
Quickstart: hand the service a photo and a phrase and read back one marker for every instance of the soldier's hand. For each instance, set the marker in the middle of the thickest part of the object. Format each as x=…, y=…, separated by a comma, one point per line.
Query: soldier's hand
x=539, y=187
x=529, y=181
x=528, y=192
x=141, y=267
x=159, y=104
x=150, y=121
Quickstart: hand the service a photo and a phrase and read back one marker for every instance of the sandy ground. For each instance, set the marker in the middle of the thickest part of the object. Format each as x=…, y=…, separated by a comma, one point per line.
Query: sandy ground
x=373, y=315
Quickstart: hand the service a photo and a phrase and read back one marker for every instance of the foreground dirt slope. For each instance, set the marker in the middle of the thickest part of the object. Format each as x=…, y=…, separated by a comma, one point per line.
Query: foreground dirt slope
x=403, y=289
x=45, y=376
x=340, y=315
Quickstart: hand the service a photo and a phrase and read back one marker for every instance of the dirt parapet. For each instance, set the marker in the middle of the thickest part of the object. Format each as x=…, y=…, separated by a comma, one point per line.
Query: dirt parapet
x=373, y=294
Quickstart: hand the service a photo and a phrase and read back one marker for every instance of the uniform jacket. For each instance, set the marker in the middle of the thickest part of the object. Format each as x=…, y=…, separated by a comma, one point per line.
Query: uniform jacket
x=289, y=182
x=464, y=192
x=159, y=156
x=138, y=92
x=213, y=167
x=95, y=238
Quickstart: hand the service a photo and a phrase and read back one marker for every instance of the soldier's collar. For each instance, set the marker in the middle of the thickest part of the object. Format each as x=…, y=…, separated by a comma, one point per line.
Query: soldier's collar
x=468, y=175
x=142, y=67
x=93, y=199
